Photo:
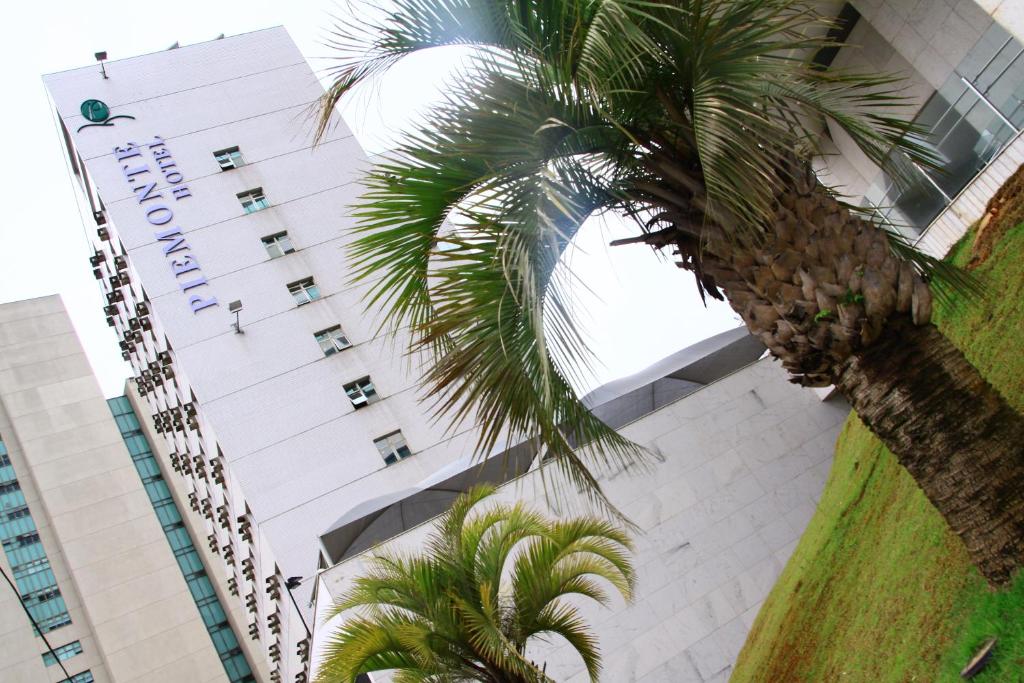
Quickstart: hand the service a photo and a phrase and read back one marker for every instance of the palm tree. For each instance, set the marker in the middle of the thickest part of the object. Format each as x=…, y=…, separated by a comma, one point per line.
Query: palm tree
x=492, y=578
x=698, y=119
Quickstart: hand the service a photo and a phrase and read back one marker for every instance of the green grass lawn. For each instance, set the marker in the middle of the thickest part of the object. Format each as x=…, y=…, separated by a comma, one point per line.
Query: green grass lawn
x=879, y=589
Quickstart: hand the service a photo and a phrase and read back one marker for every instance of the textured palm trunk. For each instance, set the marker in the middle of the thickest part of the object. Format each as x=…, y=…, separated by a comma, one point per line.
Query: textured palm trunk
x=827, y=296
x=954, y=433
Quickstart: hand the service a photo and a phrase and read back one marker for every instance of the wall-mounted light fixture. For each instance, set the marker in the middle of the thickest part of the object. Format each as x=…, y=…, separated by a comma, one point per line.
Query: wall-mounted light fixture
x=236, y=308
x=100, y=57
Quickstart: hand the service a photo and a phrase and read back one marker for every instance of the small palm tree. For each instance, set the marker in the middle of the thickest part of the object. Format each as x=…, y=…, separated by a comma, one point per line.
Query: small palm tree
x=700, y=119
x=491, y=579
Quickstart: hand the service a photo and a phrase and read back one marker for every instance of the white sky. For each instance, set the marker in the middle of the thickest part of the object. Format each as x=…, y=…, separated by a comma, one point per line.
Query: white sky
x=641, y=307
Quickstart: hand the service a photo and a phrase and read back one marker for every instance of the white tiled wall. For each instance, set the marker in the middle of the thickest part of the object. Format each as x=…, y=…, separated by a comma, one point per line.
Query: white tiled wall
x=744, y=461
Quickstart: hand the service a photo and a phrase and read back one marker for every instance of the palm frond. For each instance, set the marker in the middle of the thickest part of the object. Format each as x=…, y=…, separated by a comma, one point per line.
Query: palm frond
x=691, y=114
x=445, y=615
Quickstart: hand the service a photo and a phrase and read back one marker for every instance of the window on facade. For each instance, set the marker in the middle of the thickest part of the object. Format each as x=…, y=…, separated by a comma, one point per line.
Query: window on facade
x=253, y=200
x=332, y=340
x=229, y=158
x=84, y=677
x=19, y=538
x=361, y=393
x=392, y=447
x=64, y=652
x=304, y=291
x=278, y=244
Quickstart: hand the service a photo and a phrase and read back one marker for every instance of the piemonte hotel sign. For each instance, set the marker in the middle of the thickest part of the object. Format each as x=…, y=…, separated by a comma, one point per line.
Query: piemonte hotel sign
x=157, y=184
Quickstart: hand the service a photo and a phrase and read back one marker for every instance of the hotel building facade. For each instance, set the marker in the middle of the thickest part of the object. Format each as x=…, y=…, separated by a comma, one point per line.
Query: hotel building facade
x=279, y=417
x=292, y=425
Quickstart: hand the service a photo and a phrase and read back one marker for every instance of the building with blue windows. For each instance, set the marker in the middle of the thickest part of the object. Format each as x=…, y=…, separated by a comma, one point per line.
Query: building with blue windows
x=31, y=570
x=102, y=580
x=199, y=584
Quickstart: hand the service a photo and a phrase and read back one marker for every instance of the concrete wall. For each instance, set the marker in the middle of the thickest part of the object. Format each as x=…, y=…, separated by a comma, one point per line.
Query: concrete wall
x=744, y=461
x=129, y=604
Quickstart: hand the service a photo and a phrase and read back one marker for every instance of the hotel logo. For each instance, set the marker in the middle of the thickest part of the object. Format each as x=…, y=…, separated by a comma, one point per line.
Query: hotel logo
x=98, y=113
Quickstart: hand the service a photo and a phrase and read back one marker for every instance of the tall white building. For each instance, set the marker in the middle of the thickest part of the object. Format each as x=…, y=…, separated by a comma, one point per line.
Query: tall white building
x=198, y=165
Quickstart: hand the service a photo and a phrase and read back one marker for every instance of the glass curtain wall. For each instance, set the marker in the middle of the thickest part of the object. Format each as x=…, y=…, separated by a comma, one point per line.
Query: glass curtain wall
x=969, y=120
x=26, y=555
x=199, y=584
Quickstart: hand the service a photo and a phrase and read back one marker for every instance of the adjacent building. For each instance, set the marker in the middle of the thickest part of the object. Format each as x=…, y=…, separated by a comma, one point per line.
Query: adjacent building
x=963, y=71
x=102, y=580
x=741, y=457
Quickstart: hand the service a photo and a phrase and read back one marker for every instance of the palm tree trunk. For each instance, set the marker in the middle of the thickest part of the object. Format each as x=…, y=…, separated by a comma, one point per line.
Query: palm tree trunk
x=829, y=298
x=954, y=433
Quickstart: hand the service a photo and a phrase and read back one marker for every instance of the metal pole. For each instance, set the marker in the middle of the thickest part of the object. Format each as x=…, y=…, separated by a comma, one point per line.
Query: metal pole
x=309, y=633
x=981, y=96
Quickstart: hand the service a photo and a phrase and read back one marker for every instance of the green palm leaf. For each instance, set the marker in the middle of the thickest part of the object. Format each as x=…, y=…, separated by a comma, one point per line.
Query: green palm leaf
x=689, y=113
x=491, y=578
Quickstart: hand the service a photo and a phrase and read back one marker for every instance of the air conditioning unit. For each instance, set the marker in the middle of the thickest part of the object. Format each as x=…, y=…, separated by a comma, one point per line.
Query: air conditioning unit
x=120, y=263
x=110, y=309
x=126, y=355
x=141, y=308
x=97, y=258
x=223, y=517
x=97, y=273
x=100, y=217
x=104, y=235
x=274, y=587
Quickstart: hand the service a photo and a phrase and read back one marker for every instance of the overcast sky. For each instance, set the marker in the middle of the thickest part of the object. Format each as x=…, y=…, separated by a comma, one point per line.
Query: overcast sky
x=641, y=307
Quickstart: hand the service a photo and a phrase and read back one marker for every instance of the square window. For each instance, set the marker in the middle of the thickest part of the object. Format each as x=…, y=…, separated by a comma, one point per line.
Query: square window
x=229, y=158
x=253, y=200
x=278, y=245
x=361, y=392
x=332, y=340
x=392, y=447
x=304, y=291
